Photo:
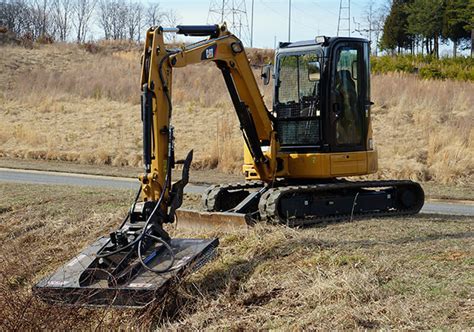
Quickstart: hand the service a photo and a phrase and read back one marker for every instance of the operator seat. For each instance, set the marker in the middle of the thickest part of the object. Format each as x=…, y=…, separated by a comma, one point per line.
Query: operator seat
x=348, y=124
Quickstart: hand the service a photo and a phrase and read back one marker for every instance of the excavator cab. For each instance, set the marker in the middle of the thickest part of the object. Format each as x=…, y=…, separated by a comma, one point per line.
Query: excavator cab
x=321, y=110
x=322, y=95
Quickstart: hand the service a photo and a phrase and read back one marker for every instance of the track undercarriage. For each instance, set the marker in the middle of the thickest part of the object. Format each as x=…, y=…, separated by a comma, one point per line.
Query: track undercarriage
x=300, y=204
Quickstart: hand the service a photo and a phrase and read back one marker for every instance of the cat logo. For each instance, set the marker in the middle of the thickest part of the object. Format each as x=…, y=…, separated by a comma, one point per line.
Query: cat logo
x=209, y=53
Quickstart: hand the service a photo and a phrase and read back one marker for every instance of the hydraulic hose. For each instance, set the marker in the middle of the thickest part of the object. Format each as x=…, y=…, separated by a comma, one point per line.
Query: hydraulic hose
x=123, y=224
x=167, y=181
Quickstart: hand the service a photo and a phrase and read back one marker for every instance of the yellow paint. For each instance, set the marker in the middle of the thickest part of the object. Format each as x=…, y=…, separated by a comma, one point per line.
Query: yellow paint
x=279, y=164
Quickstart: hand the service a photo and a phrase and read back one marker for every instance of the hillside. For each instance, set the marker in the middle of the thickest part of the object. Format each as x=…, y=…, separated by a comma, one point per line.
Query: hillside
x=65, y=102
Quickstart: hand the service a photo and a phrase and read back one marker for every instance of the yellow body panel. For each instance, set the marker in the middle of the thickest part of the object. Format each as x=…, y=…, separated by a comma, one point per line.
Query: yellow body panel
x=318, y=165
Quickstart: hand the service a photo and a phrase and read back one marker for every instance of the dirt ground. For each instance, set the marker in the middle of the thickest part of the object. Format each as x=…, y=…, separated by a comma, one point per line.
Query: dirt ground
x=395, y=273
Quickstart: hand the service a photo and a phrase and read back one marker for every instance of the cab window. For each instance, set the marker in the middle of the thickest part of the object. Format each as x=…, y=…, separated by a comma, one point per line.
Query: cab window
x=347, y=88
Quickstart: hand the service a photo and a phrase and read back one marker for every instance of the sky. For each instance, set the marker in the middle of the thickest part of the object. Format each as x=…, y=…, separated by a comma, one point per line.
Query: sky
x=309, y=17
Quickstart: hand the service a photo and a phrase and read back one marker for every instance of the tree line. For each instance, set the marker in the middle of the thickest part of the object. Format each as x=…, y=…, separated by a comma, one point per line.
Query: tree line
x=419, y=26
x=64, y=20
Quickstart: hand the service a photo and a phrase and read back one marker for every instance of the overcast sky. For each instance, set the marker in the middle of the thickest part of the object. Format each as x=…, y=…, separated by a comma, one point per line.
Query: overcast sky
x=309, y=17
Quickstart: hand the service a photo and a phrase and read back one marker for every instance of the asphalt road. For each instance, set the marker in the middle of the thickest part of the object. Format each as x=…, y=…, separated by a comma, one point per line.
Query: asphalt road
x=72, y=179
x=57, y=178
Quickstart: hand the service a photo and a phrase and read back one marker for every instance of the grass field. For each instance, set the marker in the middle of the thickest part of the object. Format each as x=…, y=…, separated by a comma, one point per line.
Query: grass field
x=64, y=108
x=404, y=273
x=60, y=102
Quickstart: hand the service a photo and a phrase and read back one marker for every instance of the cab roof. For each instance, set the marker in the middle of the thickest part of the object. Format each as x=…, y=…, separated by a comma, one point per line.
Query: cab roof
x=331, y=40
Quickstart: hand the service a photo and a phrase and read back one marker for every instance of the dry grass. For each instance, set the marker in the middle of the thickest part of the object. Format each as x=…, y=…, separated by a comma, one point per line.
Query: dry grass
x=404, y=273
x=41, y=226
x=83, y=107
x=424, y=129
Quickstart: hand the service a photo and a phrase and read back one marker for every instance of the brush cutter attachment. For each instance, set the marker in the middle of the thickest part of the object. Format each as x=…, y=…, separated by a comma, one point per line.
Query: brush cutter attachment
x=135, y=264
x=121, y=280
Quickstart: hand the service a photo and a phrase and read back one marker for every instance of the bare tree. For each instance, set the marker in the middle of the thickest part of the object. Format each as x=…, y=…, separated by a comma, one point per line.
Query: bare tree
x=171, y=19
x=377, y=26
x=83, y=10
x=15, y=15
x=141, y=21
x=134, y=17
x=153, y=14
x=61, y=17
x=373, y=22
x=39, y=17
x=105, y=17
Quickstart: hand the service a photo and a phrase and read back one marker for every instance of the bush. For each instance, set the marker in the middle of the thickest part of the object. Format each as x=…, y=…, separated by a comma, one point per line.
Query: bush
x=428, y=67
x=92, y=48
x=45, y=39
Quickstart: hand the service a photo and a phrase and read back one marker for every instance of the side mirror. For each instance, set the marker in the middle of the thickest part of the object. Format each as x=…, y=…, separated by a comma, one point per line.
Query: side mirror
x=266, y=73
x=314, y=71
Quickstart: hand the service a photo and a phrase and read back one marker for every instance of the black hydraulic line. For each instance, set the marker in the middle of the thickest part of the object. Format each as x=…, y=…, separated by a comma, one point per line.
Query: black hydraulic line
x=123, y=224
x=245, y=118
x=199, y=30
x=167, y=178
x=166, y=245
x=147, y=120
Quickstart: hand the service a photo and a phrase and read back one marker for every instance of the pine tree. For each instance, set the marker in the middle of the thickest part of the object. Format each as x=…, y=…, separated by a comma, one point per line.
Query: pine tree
x=456, y=22
x=395, y=34
x=469, y=17
x=425, y=19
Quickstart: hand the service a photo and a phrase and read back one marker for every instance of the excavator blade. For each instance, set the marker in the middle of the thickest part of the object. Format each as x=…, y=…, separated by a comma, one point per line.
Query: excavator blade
x=215, y=221
x=79, y=283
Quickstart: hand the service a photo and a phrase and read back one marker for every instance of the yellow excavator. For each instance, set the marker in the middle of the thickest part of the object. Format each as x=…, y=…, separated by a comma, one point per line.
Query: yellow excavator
x=296, y=160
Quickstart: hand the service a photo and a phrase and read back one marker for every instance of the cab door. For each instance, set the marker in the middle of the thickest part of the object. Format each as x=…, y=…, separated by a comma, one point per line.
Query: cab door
x=348, y=97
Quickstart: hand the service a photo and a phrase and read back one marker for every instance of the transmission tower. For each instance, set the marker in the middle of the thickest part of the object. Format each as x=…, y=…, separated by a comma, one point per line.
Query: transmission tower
x=344, y=21
x=234, y=13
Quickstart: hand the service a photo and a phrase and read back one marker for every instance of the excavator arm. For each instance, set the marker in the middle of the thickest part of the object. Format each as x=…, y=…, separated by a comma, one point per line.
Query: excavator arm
x=139, y=262
x=158, y=63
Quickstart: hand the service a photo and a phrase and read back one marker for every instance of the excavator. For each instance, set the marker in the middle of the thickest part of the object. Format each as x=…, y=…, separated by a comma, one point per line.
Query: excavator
x=297, y=160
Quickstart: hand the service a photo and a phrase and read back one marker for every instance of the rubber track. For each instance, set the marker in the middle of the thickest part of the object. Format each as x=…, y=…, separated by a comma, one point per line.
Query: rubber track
x=269, y=210
x=211, y=193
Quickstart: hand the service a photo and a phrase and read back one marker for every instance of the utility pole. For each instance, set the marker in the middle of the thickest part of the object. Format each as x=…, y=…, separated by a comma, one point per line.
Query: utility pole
x=344, y=17
x=251, y=26
x=289, y=20
x=234, y=13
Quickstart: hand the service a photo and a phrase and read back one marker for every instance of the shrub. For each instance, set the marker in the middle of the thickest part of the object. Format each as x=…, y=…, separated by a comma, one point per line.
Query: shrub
x=428, y=67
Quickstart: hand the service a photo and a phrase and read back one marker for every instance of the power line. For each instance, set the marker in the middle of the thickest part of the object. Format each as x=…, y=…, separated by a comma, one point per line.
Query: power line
x=234, y=13
x=283, y=16
x=304, y=13
x=251, y=26
x=289, y=20
x=325, y=9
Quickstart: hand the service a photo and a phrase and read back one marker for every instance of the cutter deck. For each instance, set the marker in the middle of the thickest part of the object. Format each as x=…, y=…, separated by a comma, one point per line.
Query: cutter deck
x=67, y=285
